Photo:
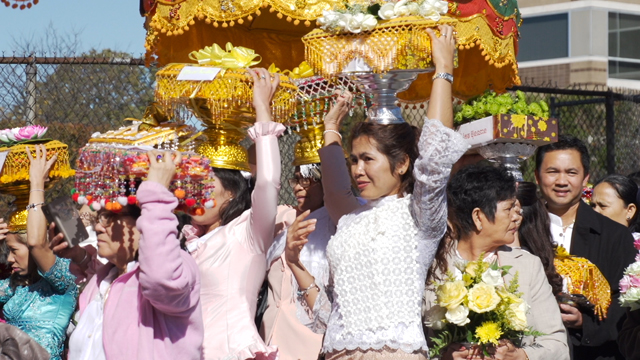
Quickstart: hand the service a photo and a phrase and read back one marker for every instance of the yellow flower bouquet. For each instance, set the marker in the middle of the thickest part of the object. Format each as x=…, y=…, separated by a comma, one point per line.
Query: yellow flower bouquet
x=476, y=306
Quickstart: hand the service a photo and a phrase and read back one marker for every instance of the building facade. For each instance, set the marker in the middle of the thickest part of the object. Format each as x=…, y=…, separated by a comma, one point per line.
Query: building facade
x=591, y=43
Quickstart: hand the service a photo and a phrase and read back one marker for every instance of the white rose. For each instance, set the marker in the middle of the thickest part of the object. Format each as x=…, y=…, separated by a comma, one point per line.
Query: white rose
x=432, y=9
x=343, y=20
x=400, y=9
x=354, y=24
x=414, y=8
x=386, y=12
x=633, y=269
x=434, y=318
x=517, y=315
x=458, y=315
x=369, y=22
x=492, y=277
x=328, y=17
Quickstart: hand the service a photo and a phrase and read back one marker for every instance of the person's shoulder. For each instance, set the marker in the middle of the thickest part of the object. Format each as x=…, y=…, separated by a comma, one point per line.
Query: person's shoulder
x=518, y=257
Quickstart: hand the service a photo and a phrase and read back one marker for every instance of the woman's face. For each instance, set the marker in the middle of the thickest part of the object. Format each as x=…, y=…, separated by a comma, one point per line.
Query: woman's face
x=118, y=237
x=606, y=201
x=372, y=171
x=503, y=229
x=212, y=216
x=18, y=257
x=310, y=196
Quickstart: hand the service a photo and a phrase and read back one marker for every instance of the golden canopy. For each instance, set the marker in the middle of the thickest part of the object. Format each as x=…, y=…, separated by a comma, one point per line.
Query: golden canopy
x=487, y=36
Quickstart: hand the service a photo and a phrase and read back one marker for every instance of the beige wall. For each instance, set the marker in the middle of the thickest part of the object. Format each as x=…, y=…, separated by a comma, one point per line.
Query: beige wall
x=589, y=73
x=527, y=3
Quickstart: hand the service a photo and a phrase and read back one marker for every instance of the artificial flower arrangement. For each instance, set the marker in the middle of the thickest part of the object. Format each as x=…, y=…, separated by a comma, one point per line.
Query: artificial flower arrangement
x=21, y=134
x=490, y=104
x=357, y=18
x=478, y=308
x=630, y=283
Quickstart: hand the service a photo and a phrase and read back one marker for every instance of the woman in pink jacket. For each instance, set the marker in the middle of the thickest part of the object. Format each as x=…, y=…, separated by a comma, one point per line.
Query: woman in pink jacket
x=229, y=242
x=145, y=303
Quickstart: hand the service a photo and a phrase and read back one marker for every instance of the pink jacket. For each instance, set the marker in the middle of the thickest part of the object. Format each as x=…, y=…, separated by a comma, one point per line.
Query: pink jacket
x=153, y=311
x=232, y=262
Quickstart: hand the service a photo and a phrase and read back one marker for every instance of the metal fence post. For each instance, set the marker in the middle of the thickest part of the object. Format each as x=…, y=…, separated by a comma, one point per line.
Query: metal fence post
x=31, y=72
x=610, y=132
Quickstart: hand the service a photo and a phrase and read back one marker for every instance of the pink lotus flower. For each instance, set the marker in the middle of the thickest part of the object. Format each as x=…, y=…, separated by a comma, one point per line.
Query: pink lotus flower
x=30, y=132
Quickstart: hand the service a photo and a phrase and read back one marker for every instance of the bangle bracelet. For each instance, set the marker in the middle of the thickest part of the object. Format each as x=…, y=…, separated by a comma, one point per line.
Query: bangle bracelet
x=85, y=260
x=332, y=131
x=306, y=291
x=36, y=190
x=34, y=206
x=444, y=76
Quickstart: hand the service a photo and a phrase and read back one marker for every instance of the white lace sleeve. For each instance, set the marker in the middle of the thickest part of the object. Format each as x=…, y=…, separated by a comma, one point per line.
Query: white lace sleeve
x=440, y=147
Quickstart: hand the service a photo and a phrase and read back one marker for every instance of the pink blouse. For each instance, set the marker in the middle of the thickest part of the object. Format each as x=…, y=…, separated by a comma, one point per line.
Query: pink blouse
x=232, y=262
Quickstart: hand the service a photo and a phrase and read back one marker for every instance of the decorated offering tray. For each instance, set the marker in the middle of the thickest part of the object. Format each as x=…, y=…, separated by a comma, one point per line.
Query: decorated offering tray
x=221, y=91
x=397, y=44
x=107, y=177
x=584, y=283
x=510, y=128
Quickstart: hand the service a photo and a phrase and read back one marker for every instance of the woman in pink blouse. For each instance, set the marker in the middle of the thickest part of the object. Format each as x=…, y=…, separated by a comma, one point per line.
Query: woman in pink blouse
x=229, y=242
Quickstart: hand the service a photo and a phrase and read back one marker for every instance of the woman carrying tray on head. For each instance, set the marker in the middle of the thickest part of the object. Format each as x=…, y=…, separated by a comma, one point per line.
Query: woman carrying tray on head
x=379, y=256
x=230, y=240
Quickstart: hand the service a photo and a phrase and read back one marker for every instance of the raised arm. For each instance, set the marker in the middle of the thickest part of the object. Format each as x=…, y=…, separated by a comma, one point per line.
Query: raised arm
x=441, y=101
x=36, y=221
x=264, y=133
x=440, y=147
x=339, y=199
x=169, y=277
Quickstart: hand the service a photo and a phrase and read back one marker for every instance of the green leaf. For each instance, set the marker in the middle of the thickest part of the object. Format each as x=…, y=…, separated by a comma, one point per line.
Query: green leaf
x=373, y=9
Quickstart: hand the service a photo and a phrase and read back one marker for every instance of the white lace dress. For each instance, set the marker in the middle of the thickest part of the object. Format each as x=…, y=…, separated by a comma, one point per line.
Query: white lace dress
x=380, y=254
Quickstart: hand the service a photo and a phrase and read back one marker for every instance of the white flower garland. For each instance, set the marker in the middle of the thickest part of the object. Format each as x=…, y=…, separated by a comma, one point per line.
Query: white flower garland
x=356, y=20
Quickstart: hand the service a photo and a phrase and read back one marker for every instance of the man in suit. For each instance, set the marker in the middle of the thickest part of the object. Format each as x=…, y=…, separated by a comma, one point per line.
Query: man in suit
x=562, y=171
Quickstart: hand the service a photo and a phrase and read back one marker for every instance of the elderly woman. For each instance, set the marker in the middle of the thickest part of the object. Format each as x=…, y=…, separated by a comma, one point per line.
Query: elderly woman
x=145, y=302
x=484, y=217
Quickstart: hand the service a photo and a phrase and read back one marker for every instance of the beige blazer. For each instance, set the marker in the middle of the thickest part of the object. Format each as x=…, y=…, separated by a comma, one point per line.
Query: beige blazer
x=544, y=314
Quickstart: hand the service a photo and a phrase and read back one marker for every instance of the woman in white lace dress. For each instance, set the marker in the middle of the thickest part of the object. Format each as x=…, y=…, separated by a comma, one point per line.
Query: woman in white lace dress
x=379, y=256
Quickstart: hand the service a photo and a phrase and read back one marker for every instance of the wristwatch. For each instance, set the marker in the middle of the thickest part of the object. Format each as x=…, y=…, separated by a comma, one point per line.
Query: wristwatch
x=443, y=75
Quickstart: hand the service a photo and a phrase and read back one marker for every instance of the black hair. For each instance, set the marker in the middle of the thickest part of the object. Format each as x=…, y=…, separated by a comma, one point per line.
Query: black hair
x=627, y=191
x=535, y=232
x=394, y=141
x=480, y=187
x=474, y=186
x=240, y=188
x=565, y=142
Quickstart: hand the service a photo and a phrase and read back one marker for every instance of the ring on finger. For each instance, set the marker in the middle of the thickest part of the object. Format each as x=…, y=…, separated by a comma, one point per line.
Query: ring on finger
x=262, y=77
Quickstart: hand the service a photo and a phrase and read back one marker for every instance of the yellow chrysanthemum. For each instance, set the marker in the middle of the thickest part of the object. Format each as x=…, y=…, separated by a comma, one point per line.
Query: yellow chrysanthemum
x=488, y=332
x=542, y=125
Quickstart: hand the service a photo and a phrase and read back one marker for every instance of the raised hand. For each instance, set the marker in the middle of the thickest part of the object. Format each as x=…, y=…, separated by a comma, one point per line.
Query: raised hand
x=264, y=87
x=39, y=167
x=297, y=237
x=338, y=111
x=162, y=166
x=443, y=48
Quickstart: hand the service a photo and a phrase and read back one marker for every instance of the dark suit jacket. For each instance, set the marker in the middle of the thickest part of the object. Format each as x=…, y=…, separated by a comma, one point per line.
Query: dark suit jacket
x=609, y=246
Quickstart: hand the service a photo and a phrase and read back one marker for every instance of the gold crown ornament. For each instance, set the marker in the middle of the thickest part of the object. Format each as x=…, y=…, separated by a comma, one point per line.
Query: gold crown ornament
x=306, y=149
x=222, y=146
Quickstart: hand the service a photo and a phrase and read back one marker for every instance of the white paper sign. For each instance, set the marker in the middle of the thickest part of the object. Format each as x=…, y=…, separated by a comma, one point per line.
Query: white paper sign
x=477, y=133
x=196, y=73
x=3, y=158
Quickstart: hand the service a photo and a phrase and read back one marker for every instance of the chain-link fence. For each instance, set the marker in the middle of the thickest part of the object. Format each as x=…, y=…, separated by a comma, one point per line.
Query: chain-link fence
x=76, y=97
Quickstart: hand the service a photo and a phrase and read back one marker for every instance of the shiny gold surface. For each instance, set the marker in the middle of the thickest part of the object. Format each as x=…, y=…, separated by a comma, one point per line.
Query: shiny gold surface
x=306, y=149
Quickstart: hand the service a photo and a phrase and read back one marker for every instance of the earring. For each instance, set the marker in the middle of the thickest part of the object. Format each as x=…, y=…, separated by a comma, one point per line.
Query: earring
x=480, y=228
x=628, y=218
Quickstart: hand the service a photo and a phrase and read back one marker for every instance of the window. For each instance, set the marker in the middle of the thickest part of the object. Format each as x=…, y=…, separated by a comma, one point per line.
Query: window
x=544, y=37
x=624, y=35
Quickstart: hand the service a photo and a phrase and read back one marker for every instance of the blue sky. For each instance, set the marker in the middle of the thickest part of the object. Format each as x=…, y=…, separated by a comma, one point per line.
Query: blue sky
x=113, y=24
